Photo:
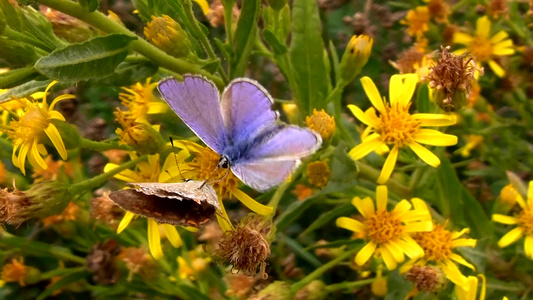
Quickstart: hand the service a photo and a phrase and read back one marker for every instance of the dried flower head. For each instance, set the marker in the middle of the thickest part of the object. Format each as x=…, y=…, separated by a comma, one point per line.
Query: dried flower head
x=314, y=290
x=216, y=14
x=452, y=77
x=239, y=285
x=41, y=200
x=101, y=262
x=105, y=210
x=70, y=213
x=247, y=246
x=498, y=8
x=138, y=261
x=318, y=173
x=439, y=10
x=408, y=59
x=427, y=278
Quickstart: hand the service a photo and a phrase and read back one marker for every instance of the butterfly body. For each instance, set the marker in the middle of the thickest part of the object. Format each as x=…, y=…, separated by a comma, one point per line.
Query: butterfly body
x=241, y=127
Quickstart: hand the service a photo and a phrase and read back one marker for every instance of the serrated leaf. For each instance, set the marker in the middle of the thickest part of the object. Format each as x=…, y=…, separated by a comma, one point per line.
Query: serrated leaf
x=307, y=56
x=95, y=58
x=16, y=77
x=273, y=41
x=245, y=35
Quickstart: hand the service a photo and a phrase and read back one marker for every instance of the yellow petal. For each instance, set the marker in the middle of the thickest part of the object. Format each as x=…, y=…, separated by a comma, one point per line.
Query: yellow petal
x=350, y=224
x=373, y=94
x=223, y=219
x=365, y=253
x=483, y=27
x=60, y=98
x=253, y=205
x=460, y=260
x=125, y=221
x=418, y=226
x=154, y=239
x=402, y=207
x=462, y=38
x=55, y=137
x=457, y=234
x=126, y=175
x=50, y=85
x=172, y=235
x=369, y=144
x=464, y=243
x=452, y=272
x=364, y=206
x=427, y=156
x=14, y=157
x=36, y=157
x=157, y=108
x=530, y=195
x=203, y=5
x=504, y=219
x=503, y=48
x=22, y=157
x=411, y=248
x=395, y=250
x=361, y=116
x=435, y=119
x=381, y=198
x=528, y=246
x=499, y=71
x=460, y=51
x=498, y=37
x=388, y=258
x=435, y=138
x=402, y=88
x=511, y=237
x=388, y=167
x=56, y=115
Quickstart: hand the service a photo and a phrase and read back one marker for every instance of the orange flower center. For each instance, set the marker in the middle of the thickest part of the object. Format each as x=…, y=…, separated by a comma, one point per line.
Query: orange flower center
x=397, y=126
x=383, y=227
x=481, y=48
x=437, y=244
x=525, y=220
x=222, y=180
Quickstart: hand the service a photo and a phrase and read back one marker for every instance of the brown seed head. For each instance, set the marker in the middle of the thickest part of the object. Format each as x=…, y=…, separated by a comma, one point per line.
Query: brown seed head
x=105, y=210
x=101, y=262
x=427, y=278
x=138, y=261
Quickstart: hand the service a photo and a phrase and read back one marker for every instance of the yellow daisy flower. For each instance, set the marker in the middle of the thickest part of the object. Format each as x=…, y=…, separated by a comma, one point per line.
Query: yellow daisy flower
x=438, y=245
x=388, y=232
x=523, y=222
x=468, y=291
x=148, y=171
x=484, y=47
x=141, y=102
x=417, y=19
x=34, y=121
x=396, y=127
x=204, y=167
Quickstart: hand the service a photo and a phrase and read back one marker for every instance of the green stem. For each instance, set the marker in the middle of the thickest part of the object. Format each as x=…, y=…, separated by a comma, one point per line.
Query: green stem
x=98, y=180
x=100, y=21
x=101, y=146
x=321, y=270
x=348, y=285
x=336, y=97
x=60, y=272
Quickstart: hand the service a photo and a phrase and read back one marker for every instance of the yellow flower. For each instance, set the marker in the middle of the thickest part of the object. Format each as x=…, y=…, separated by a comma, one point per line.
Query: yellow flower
x=168, y=36
x=204, y=167
x=388, y=233
x=147, y=172
x=468, y=291
x=523, y=222
x=33, y=123
x=322, y=123
x=509, y=195
x=484, y=47
x=417, y=19
x=396, y=127
x=141, y=102
x=438, y=245
x=472, y=142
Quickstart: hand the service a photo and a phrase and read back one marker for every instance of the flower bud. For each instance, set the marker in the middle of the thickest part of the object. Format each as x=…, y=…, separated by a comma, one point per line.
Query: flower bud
x=277, y=290
x=140, y=136
x=318, y=173
x=43, y=199
x=315, y=290
x=67, y=27
x=355, y=57
x=277, y=4
x=16, y=271
x=168, y=36
x=322, y=123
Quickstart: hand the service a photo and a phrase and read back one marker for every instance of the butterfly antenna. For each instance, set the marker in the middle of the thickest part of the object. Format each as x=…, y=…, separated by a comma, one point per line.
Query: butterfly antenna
x=208, y=178
x=175, y=158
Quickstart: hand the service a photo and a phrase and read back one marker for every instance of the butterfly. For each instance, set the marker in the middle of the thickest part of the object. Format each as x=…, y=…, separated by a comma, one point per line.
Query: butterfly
x=188, y=203
x=241, y=127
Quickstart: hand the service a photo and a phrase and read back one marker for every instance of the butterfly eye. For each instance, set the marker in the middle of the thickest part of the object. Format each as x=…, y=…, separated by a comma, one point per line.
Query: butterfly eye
x=223, y=163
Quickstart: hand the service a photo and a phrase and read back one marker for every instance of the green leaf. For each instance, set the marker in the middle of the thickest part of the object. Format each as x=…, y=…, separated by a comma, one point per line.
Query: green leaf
x=475, y=216
x=92, y=59
x=89, y=5
x=300, y=251
x=17, y=53
x=273, y=41
x=11, y=15
x=24, y=90
x=64, y=281
x=212, y=66
x=128, y=73
x=326, y=217
x=449, y=191
x=307, y=56
x=422, y=99
x=245, y=35
x=16, y=77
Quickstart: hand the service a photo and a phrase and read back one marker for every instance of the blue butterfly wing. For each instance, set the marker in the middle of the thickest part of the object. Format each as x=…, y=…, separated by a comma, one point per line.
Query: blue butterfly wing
x=273, y=159
x=246, y=110
x=196, y=102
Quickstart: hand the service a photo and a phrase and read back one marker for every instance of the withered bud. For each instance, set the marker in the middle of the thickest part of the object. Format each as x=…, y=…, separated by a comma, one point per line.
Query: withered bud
x=429, y=279
x=102, y=264
x=277, y=290
x=138, y=261
x=247, y=246
x=498, y=8
x=451, y=78
x=103, y=209
x=43, y=199
x=239, y=285
x=315, y=290
x=408, y=59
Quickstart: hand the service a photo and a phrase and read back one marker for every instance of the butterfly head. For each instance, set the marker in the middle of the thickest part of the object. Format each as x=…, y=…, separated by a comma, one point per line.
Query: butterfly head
x=223, y=162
